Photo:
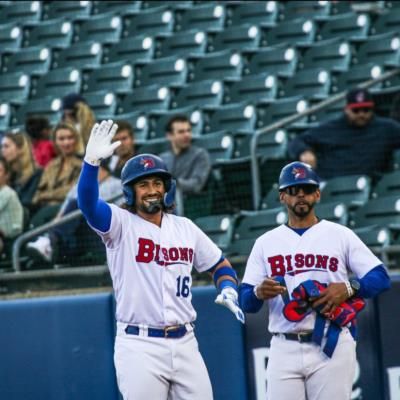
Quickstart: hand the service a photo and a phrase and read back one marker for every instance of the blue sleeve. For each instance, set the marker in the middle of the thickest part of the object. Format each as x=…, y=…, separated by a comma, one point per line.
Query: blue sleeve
x=96, y=211
x=247, y=299
x=376, y=281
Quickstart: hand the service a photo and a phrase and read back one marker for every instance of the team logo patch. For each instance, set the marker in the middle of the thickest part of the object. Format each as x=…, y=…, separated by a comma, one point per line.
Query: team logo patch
x=147, y=163
x=360, y=98
x=299, y=173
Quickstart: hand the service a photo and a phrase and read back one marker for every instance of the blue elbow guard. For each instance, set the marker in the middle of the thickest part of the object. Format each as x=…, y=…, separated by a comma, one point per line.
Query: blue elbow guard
x=225, y=271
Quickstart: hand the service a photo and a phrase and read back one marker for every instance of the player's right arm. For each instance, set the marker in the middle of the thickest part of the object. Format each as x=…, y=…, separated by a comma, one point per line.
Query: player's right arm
x=96, y=211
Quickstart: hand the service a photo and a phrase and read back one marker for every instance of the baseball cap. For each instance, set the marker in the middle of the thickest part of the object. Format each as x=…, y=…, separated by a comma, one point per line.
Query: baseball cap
x=69, y=101
x=359, y=98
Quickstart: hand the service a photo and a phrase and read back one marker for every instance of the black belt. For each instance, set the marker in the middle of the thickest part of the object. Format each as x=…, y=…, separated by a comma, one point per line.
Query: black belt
x=298, y=337
x=172, y=332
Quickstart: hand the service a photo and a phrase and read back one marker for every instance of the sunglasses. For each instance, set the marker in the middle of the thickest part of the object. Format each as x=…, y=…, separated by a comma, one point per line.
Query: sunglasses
x=294, y=190
x=362, y=109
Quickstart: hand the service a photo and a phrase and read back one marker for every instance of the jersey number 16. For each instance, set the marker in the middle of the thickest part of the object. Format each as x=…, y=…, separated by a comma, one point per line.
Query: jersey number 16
x=182, y=286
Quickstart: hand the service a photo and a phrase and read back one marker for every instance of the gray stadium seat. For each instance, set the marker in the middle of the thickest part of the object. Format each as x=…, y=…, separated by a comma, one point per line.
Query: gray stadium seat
x=175, y=5
x=14, y=87
x=374, y=236
x=115, y=77
x=219, y=145
x=21, y=12
x=75, y=10
x=33, y=61
x=10, y=38
x=102, y=103
x=396, y=159
x=261, y=13
x=155, y=146
x=271, y=199
x=117, y=6
x=139, y=121
x=81, y=55
x=388, y=185
x=309, y=9
x=334, y=212
x=387, y=22
x=5, y=115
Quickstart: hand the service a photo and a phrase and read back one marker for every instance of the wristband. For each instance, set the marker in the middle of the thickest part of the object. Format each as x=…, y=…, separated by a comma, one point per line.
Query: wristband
x=92, y=161
x=350, y=290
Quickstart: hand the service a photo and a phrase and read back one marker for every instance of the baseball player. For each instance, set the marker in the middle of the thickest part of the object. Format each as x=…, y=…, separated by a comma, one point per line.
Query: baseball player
x=302, y=269
x=150, y=253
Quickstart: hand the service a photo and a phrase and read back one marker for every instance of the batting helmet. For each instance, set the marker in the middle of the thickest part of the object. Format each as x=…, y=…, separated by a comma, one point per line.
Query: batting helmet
x=141, y=166
x=297, y=173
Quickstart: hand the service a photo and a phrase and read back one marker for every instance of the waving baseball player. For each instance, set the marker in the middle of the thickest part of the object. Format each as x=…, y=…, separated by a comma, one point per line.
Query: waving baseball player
x=302, y=269
x=150, y=254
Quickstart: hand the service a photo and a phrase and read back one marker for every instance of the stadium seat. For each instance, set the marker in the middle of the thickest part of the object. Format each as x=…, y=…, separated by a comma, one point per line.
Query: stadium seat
x=14, y=87
x=75, y=10
x=332, y=54
x=374, y=236
x=209, y=18
x=139, y=121
x=383, y=50
x=49, y=107
x=175, y=5
x=382, y=211
x=115, y=77
x=237, y=117
x=350, y=26
x=146, y=99
x=314, y=83
x=387, y=22
x=135, y=50
x=352, y=190
x=102, y=103
x=310, y=9
x=262, y=87
x=207, y=94
x=219, y=145
x=239, y=38
x=121, y=7
x=388, y=185
x=297, y=32
x=331, y=112
x=186, y=44
x=396, y=159
x=154, y=22
x=103, y=28
x=271, y=199
x=5, y=116
x=10, y=38
x=227, y=65
x=169, y=71
x=219, y=228
x=334, y=212
x=57, y=82
x=21, y=12
x=54, y=34
x=155, y=146
x=33, y=61
x=81, y=55
x=278, y=60
x=261, y=13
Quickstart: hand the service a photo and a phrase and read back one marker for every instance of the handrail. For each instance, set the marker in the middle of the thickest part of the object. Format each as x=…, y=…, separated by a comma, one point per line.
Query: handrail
x=43, y=228
x=255, y=173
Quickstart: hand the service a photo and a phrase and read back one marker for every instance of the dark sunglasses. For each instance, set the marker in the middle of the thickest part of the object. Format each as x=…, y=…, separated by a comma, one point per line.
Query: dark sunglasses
x=294, y=190
x=362, y=109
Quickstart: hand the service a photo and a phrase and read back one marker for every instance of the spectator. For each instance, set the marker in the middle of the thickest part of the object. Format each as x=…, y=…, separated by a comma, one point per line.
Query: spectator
x=125, y=151
x=59, y=175
x=358, y=142
x=78, y=113
x=16, y=148
x=11, y=211
x=38, y=128
x=70, y=236
x=189, y=164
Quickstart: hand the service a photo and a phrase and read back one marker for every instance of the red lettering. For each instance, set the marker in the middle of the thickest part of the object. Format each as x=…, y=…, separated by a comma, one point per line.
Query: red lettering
x=191, y=255
x=173, y=254
x=333, y=264
x=164, y=251
x=277, y=265
x=309, y=260
x=145, y=251
x=288, y=259
x=183, y=253
x=322, y=261
x=299, y=260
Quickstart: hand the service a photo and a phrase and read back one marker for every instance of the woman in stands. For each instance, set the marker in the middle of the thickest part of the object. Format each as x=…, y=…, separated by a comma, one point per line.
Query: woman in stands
x=60, y=174
x=16, y=148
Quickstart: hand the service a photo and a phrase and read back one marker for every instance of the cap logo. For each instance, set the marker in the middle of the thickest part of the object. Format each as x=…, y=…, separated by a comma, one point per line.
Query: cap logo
x=147, y=163
x=360, y=98
x=299, y=173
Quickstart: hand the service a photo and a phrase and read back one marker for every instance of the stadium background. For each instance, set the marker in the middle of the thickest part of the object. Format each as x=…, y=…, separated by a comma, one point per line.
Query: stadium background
x=247, y=73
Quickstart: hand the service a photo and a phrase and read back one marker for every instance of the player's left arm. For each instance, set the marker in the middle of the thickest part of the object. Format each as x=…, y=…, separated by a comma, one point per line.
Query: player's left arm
x=226, y=281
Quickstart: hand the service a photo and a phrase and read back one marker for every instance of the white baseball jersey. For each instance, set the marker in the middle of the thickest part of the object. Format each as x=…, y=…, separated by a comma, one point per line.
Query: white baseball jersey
x=325, y=252
x=151, y=267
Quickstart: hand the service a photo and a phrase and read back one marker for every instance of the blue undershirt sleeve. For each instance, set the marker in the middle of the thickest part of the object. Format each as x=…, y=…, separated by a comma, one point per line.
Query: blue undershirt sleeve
x=374, y=282
x=247, y=299
x=96, y=211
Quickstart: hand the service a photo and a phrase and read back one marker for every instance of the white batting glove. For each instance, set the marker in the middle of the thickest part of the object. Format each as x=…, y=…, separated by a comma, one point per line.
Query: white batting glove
x=229, y=299
x=99, y=145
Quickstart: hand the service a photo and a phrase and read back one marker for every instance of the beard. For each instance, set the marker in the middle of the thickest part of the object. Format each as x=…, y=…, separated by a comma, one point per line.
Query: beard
x=151, y=207
x=303, y=209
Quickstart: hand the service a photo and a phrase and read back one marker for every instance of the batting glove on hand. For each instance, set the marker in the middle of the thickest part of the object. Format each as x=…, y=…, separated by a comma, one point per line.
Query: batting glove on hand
x=99, y=145
x=229, y=299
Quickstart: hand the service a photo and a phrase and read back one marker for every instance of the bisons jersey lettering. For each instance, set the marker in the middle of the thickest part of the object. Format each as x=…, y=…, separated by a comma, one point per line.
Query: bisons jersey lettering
x=151, y=267
x=326, y=252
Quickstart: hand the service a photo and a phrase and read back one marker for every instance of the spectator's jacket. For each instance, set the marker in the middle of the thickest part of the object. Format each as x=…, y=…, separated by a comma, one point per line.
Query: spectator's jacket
x=342, y=149
x=11, y=213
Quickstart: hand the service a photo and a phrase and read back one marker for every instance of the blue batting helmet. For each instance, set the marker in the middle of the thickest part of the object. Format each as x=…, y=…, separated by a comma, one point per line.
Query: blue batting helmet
x=141, y=166
x=297, y=173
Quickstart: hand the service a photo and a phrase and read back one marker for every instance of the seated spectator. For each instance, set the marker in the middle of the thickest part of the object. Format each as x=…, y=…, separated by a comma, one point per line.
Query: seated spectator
x=189, y=164
x=38, y=128
x=16, y=148
x=59, y=175
x=78, y=113
x=358, y=142
x=125, y=151
x=11, y=211
x=66, y=240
